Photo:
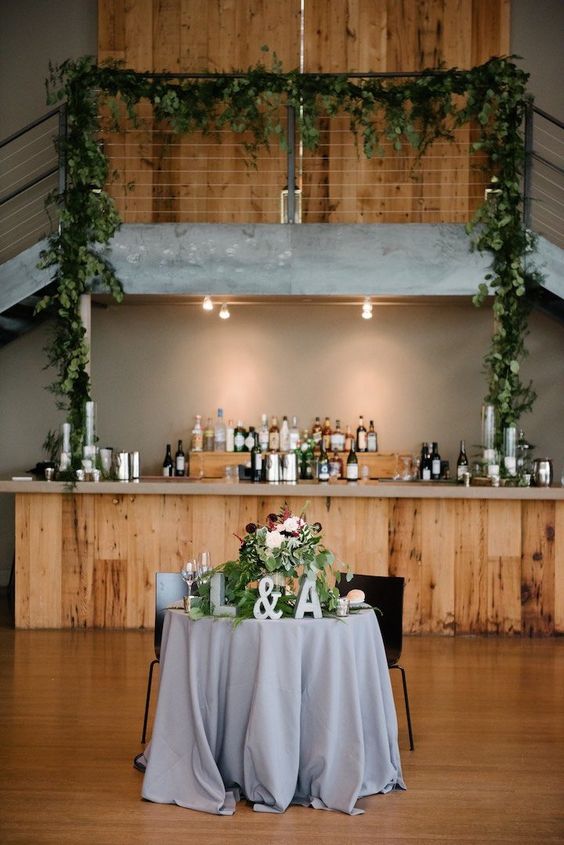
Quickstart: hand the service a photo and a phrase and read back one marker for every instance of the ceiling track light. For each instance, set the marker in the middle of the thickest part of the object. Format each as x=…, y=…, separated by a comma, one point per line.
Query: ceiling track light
x=207, y=304
x=224, y=312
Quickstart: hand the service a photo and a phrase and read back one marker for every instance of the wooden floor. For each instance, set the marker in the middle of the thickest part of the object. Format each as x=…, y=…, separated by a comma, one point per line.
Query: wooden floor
x=488, y=764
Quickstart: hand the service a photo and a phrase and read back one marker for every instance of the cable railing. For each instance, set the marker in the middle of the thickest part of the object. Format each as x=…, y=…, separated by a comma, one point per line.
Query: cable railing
x=544, y=175
x=30, y=170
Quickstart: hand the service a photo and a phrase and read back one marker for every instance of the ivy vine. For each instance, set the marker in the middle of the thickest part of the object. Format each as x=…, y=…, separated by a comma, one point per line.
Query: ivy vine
x=414, y=111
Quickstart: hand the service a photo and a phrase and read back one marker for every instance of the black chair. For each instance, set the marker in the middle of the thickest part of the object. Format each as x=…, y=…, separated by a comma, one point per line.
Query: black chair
x=386, y=593
x=169, y=588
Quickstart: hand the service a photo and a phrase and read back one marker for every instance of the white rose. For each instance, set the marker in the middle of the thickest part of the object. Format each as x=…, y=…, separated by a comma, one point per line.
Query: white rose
x=274, y=539
x=293, y=523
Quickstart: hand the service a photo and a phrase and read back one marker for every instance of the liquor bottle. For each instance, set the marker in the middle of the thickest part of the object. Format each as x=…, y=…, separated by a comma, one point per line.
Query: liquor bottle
x=256, y=459
x=317, y=434
x=230, y=437
x=337, y=438
x=208, y=436
x=274, y=435
x=239, y=438
x=371, y=439
x=168, y=463
x=306, y=457
x=361, y=436
x=219, y=432
x=284, y=435
x=336, y=465
x=323, y=465
x=263, y=434
x=250, y=439
x=462, y=462
x=425, y=468
x=435, y=463
x=349, y=440
x=326, y=434
x=197, y=435
x=352, y=464
x=180, y=461
x=294, y=435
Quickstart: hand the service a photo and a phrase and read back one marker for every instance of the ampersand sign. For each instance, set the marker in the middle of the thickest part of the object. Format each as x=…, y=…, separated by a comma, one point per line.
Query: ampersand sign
x=264, y=607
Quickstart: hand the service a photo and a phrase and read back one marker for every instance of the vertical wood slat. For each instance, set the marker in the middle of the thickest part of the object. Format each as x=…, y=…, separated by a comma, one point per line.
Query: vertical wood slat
x=437, y=566
x=504, y=567
x=405, y=550
x=537, y=568
x=470, y=566
x=559, y=568
x=38, y=561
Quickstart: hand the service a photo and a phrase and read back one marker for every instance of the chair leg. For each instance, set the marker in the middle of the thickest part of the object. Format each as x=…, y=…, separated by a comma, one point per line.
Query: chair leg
x=406, y=699
x=148, y=700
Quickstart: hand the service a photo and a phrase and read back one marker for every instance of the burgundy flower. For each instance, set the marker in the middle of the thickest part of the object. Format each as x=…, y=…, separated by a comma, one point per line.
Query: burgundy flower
x=316, y=527
x=272, y=517
x=250, y=528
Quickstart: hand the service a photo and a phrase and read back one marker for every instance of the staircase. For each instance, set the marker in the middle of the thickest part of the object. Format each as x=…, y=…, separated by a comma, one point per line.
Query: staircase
x=30, y=169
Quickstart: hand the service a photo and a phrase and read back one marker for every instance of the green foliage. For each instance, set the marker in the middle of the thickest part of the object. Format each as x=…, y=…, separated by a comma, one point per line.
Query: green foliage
x=413, y=112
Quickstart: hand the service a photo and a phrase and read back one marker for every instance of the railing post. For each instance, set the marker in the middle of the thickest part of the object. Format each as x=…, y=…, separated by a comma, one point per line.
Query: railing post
x=62, y=150
x=291, y=160
x=527, y=170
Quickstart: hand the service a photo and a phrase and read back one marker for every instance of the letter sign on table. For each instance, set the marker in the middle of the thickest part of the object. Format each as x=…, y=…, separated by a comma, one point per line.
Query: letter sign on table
x=265, y=608
x=308, y=600
x=217, y=597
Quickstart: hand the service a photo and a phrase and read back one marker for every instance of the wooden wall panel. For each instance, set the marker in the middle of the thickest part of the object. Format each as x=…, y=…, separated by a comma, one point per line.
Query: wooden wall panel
x=470, y=566
x=537, y=568
x=504, y=567
x=405, y=544
x=559, y=568
x=437, y=566
x=78, y=556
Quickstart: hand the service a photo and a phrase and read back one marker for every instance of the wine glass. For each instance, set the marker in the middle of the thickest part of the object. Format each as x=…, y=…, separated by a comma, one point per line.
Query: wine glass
x=204, y=564
x=189, y=573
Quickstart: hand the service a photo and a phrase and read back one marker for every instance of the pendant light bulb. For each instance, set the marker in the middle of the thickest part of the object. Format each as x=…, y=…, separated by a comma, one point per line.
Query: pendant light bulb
x=207, y=304
x=367, y=310
x=224, y=312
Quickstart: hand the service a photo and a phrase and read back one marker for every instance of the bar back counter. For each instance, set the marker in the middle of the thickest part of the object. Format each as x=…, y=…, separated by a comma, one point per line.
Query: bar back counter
x=476, y=560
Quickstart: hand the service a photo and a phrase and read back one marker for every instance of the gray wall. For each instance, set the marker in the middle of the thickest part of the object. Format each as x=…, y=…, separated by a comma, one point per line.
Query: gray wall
x=537, y=34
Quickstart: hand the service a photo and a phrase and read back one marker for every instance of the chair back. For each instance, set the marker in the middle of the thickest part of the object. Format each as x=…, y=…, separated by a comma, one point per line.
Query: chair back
x=384, y=592
x=169, y=588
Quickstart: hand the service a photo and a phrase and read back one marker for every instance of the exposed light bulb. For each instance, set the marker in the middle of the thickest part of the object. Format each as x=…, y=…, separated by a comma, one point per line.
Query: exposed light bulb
x=207, y=304
x=366, y=310
x=224, y=312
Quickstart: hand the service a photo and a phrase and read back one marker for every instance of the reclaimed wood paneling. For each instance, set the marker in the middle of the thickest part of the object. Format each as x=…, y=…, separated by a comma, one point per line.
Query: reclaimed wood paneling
x=471, y=566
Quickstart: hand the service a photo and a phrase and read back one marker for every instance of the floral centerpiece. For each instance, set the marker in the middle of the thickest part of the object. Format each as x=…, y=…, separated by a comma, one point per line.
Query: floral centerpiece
x=286, y=546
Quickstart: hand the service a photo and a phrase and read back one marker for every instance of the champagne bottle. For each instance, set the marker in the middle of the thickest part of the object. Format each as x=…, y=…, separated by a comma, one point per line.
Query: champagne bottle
x=371, y=439
x=168, y=463
x=256, y=459
x=352, y=464
x=462, y=462
x=197, y=435
x=274, y=435
x=361, y=436
x=435, y=463
x=208, y=436
x=219, y=433
x=180, y=461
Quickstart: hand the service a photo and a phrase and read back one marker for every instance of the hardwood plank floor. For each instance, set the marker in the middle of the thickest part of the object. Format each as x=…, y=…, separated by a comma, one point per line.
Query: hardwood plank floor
x=488, y=765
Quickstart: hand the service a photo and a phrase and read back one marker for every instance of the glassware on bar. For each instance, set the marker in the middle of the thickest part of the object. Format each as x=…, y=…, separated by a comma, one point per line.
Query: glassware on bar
x=510, y=449
x=488, y=433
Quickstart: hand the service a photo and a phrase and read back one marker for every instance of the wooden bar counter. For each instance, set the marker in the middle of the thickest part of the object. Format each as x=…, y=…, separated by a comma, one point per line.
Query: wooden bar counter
x=475, y=560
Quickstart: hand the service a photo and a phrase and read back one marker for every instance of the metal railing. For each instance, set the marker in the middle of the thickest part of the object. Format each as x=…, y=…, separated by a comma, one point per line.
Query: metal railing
x=544, y=175
x=30, y=170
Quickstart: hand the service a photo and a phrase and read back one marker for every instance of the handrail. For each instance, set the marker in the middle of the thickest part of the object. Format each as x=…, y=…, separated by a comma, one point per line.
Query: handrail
x=549, y=117
x=28, y=185
x=30, y=126
x=545, y=161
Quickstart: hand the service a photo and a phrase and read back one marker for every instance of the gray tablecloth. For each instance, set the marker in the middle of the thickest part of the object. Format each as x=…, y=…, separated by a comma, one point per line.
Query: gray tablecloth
x=288, y=711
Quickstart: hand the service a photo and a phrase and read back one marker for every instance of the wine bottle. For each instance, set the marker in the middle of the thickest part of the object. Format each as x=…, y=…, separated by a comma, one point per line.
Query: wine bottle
x=274, y=435
x=326, y=434
x=352, y=464
x=208, y=436
x=425, y=468
x=250, y=439
x=435, y=462
x=323, y=464
x=462, y=462
x=180, y=461
x=316, y=433
x=256, y=459
x=349, y=440
x=197, y=435
x=168, y=463
x=361, y=436
x=239, y=438
x=219, y=432
x=263, y=433
x=371, y=438
x=284, y=435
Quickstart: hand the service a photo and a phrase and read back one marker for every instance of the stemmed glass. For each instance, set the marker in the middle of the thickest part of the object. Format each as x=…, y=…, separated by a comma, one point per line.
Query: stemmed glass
x=189, y=573
x=204, y=564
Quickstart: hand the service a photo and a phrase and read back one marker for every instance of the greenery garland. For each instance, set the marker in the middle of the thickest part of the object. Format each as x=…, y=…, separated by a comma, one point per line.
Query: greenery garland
x=415, y=111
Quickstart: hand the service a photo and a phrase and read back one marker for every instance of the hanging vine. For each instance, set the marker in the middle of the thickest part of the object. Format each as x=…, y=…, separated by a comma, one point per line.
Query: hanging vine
x=413, y=112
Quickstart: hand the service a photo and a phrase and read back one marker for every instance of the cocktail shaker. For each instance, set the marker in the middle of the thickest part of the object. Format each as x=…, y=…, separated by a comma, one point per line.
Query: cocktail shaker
x=122, y=466
x=134, y=466
x=542, y=472
x=273, y=466
x=289, y=466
